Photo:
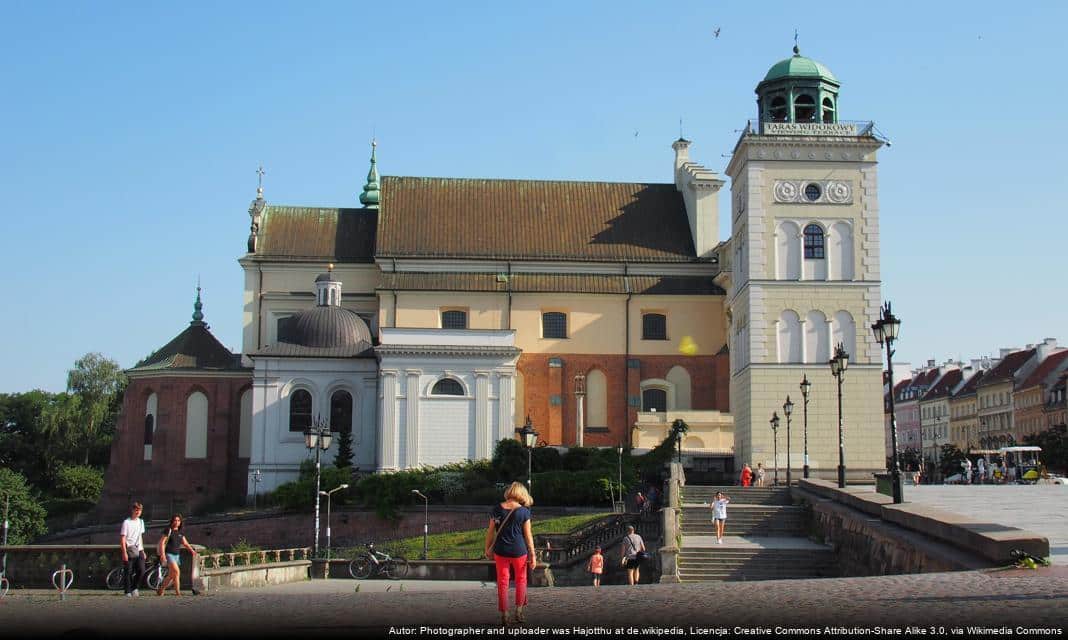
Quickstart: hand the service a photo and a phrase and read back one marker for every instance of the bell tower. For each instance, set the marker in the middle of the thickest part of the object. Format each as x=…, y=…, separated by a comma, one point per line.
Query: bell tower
x=805, y=276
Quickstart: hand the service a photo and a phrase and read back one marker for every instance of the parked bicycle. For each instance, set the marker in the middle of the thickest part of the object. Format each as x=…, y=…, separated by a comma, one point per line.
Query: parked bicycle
x=155, y=572
x=375, y=563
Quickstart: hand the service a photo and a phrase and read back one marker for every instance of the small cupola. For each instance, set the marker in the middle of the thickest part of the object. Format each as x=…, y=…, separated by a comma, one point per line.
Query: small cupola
x=328, y=289
x=798, y=90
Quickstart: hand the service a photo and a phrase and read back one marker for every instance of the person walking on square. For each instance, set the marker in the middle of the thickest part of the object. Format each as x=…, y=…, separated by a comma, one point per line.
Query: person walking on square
x=980, y=473
x=746, y=476
x=760, y=474
x=132, y=546
x=719, y=514
x=510, y=544
x=596, y=566
x=170, y=548
x=633, y=554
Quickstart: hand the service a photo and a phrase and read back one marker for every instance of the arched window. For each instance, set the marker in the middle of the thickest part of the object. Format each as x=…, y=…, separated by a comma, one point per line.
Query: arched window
x=828, y=111
x=244, y=434
x=654, y=400
x=596, y=399
x=679, y=377
x=151, y=409
x=150, y=424
x=341, y=412
x=654, y=326
x=447, y=387
x=804, y=108
x=814, y=242
x=300, y=411
x=777, y=111
x=841, y=267
x=789, y=336
x=196, y=425
x=787, y=252
x=845, y=331
x=454, y=319
x=817, y=342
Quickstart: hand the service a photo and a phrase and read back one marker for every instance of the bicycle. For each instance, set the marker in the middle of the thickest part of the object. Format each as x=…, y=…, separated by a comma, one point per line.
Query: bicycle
x=155, y=573
x=377, y=563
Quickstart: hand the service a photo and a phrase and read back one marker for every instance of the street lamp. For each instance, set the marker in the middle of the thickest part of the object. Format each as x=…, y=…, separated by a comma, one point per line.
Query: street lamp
x=328, y=495
x=257, y=477
x=619, y=450
x=775, y=430
x=530, y=439
x=839, y=363
x=318, y=437
x=788, y=408
x=426, y=523
x=806, y=386
x=886, y=330
x=679, y=428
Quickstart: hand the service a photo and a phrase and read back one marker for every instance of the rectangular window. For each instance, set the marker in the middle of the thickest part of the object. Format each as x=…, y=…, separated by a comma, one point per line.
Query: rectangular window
x=454, y=319
x=654, y=326
x=554, y=325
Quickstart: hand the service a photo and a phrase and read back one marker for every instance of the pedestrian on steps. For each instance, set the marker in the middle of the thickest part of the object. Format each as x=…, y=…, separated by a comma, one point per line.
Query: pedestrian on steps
x=719, y=514
x=596, y=566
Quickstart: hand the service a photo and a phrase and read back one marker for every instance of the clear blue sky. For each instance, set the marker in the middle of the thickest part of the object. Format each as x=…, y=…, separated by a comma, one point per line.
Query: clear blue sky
x=132, y=131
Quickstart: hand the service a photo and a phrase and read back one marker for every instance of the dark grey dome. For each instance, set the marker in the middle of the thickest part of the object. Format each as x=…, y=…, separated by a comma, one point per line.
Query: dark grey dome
x=326, y=327
x=326, y=277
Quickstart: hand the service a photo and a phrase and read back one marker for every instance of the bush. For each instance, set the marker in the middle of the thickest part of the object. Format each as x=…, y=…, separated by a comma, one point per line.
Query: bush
x=572, y=488
x=510, y=460
x=80, y=483
x=300, y=494
x=26, y=517
x=546, y=459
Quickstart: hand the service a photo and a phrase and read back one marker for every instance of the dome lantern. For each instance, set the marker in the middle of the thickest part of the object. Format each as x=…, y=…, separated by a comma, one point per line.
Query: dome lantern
x=798, y=90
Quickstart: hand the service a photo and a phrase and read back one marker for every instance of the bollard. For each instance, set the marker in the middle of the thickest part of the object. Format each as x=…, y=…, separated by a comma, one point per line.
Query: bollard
x=62, y=581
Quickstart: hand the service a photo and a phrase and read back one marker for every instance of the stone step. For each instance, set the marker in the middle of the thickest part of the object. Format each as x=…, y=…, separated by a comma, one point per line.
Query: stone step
x=742, y=576
x=771, y=555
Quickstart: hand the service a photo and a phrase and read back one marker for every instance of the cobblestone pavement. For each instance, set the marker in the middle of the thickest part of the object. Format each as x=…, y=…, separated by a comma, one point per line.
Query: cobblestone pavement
x=994, y=598
x=1039, y=508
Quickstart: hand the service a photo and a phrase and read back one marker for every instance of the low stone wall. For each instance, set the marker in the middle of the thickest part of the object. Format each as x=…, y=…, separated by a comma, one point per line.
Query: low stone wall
x=257, y=575
x=31, y=566
x=873, y=536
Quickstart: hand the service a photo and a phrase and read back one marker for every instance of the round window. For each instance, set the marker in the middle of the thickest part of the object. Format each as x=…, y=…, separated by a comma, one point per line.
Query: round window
x=812, y=192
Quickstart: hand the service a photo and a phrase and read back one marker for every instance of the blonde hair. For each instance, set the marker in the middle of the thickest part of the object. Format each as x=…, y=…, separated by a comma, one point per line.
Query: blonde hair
x=518, y=491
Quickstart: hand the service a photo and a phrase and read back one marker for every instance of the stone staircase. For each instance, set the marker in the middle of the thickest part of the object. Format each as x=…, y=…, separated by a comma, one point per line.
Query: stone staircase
x=764, y=538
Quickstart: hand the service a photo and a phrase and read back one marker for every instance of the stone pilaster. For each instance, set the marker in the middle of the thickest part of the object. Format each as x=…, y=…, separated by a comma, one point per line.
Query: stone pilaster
x=387, y=445
x=411, y=429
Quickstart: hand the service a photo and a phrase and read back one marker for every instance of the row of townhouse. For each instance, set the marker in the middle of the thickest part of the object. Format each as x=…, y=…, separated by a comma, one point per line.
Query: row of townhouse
x=989, y=403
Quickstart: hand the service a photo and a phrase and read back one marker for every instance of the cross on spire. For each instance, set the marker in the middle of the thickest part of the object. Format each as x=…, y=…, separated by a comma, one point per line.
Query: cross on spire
x=260, y=173
x=797, y=50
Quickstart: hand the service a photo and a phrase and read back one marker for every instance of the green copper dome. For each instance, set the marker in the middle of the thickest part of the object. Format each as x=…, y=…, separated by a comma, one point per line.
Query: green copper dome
x=798, y=66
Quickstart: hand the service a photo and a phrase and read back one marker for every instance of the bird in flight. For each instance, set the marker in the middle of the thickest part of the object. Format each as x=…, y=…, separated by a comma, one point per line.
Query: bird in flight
x=715, y=34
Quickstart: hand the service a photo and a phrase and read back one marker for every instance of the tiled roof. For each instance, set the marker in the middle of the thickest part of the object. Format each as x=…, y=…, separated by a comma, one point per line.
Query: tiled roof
x=549, y=283
x=899, y=389
x=195, y=348
x=971, y=385
x=316, y=233
x=1050, y=366
x=1007, y=367
x=945, y=385
x=288, y=350
x=532, y=219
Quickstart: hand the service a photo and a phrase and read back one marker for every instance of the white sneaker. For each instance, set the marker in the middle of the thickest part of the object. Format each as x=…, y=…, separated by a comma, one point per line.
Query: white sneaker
x=719, y=541
x=135, y=593
x=129, y=595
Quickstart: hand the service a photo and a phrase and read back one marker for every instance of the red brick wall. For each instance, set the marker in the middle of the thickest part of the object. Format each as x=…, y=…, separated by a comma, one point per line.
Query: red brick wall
x=169, y=480
x=709, y=389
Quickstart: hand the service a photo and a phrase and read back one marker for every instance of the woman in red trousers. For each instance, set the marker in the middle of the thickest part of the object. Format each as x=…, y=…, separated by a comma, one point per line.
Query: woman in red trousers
x=510, y=544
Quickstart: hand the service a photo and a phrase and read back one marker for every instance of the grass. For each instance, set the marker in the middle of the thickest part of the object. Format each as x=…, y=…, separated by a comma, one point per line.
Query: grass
x=471, y=543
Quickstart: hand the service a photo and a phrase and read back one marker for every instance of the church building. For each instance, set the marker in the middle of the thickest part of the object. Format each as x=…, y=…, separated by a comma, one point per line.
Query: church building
x=441, y=314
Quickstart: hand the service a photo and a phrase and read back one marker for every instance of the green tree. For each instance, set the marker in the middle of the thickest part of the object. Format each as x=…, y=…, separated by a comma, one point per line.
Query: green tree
x=1054, y=443
x=951, y=459
x=26, y=515
x=23, y=446
x=344, y=449
x=97, y=382
x=80, y=483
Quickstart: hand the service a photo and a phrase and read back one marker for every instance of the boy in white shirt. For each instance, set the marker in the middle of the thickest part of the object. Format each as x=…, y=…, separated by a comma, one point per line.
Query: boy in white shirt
x=132, y=546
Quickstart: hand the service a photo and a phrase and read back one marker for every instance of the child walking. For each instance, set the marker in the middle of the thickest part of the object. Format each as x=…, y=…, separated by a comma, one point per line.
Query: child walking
x=596, y=566
x=719, y=514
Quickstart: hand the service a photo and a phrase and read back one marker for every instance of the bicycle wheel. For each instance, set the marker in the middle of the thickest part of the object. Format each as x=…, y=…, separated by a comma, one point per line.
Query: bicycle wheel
x=361, y=568
x=154, y=577
x=396, y=568
x=114, y=579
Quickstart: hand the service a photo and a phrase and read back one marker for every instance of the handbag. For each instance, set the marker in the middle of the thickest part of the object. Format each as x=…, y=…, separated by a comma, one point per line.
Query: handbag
x=497, y=533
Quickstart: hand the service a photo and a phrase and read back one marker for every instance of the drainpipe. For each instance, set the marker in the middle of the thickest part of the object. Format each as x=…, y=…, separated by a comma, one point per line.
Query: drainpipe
x=509, y=295
x=626, y=355
x=394, y=292
x=259, y=306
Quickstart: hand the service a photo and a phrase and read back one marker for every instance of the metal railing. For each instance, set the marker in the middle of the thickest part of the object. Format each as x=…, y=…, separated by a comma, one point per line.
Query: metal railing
x=858, y=128
x=566, y=548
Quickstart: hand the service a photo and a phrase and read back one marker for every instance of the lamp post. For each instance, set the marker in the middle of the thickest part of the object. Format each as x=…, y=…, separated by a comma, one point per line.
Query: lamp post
x=318, y=437
x=775, y=430
x=426, y=523
x=328, y=495
x=530, y=439
x=886, y=330
x=619, y=450
x=839, y=363
x=788, y=409
x=257, y=477
x=806, y=386
x=679, y=427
